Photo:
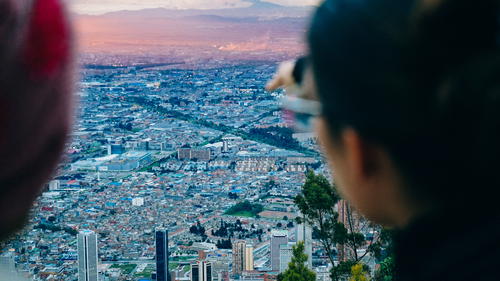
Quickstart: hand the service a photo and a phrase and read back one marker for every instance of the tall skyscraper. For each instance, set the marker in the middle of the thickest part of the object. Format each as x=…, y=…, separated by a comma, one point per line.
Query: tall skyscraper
x=162, y=254
x=87, y=256
x=248, y=258
x=342, y=207
x=239, y=248
x=286, y=253
x=304, y=234
x=278, y=237
x=201, y=271
x=195, y=272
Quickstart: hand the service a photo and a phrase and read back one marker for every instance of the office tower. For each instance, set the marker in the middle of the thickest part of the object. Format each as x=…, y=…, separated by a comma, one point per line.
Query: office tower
x=278, y=238
x=286, y=253
x=162, y=273
x=248, y=258
x=87, y=255
x=342, y=207
x=195, y=272
x=304, y=234
x=201, y=271
x=239, y=248
x=206, y=271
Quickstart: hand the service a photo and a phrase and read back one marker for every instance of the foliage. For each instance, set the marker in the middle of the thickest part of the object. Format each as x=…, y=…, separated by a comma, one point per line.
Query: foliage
x=229, y=230
x=342, y=271
x=386, y=270
x=297, y=269
x=358, y=273
x=197, y=229
x=277, y=136
x=55, y=228
x=224, y=244
x=317, y=203
x=232, y=195
x=245, y=207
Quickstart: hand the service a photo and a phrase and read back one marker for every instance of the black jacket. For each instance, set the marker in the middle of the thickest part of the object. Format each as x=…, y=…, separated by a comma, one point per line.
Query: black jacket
x=463, y=245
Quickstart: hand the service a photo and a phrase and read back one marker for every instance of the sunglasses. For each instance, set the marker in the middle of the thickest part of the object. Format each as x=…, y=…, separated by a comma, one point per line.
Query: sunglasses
x=300, y=113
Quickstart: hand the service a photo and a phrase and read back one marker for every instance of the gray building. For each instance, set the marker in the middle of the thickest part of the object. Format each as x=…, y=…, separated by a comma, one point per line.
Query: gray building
x=87, y=256
x=304, y=234
x=278, y=238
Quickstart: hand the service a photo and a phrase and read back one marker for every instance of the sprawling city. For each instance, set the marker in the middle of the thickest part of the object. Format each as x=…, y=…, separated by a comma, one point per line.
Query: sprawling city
x=178, y=169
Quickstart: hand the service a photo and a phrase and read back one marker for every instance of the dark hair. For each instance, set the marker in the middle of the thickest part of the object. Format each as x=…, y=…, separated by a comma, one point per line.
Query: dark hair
x=422, y=81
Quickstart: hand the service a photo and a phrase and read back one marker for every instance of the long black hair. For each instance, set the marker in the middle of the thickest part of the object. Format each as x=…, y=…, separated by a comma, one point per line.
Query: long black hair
x=422, y=80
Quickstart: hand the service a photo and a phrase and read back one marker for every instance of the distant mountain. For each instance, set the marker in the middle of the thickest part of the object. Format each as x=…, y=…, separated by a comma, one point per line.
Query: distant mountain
x=257, y=8
x=260, y=30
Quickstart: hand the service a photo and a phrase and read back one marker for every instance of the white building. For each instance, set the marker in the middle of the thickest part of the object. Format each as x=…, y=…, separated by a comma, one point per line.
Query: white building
x=286, y=254
x=304, y=234
x=87, y=256
x=138, y=202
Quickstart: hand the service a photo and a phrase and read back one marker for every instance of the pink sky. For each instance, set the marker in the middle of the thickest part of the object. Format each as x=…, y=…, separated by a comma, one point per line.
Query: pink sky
x=104, y=6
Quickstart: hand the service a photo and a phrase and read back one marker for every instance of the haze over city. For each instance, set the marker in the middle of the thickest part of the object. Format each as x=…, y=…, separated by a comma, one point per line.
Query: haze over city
x=257, y=30
x=105, y=6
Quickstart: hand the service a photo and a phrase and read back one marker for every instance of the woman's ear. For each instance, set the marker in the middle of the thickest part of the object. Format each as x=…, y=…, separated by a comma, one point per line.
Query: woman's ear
x=362, y=157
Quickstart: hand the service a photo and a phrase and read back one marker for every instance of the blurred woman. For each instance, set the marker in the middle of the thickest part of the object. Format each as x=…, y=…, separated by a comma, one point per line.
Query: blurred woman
x=410, y=122
x=36, y=76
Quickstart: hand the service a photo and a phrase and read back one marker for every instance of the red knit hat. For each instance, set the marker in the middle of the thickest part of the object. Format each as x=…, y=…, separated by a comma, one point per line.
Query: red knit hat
x=36, y=75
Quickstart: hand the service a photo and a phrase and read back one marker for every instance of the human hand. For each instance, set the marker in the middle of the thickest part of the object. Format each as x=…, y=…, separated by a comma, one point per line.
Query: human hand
x=283, y=77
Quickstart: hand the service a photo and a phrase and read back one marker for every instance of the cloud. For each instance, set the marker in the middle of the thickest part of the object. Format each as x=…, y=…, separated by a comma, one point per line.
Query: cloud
x=104, y=6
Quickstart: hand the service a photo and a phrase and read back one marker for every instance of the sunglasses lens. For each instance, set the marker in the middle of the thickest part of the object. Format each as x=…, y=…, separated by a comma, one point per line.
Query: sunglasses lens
x=299, y=113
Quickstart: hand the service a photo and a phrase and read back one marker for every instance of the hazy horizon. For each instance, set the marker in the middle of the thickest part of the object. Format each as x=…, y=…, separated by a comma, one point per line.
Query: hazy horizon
x=98, y=7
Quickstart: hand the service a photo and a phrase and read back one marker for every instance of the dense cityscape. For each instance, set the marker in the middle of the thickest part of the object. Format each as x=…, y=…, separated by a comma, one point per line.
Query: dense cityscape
x=182, y=167
x=166, y=146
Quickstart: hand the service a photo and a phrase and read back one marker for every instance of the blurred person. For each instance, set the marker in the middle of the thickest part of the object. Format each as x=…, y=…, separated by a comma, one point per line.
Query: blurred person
x=409, y=120
x=36, y=81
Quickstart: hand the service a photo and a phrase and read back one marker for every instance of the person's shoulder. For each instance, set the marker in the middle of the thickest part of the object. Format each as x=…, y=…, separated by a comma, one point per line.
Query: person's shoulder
x=471, y=254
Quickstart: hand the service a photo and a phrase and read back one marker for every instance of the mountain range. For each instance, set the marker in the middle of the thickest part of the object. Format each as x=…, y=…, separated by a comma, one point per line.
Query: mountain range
x=260, y=31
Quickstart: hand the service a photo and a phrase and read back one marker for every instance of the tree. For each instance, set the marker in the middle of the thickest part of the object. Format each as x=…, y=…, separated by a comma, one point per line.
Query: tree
x=297, y=269
x=317, y=203
x=386, y=270
x=358, y=273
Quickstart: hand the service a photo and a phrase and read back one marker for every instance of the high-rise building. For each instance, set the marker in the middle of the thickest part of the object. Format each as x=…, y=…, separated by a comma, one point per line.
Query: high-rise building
x=248, y=258
x=162, y=254
x=201, y=271
x=342, y=208
x=195, y=272
x=286, y=253
x=239, y=248
x=87, y=256
x=278, y=237
x=304, y=234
